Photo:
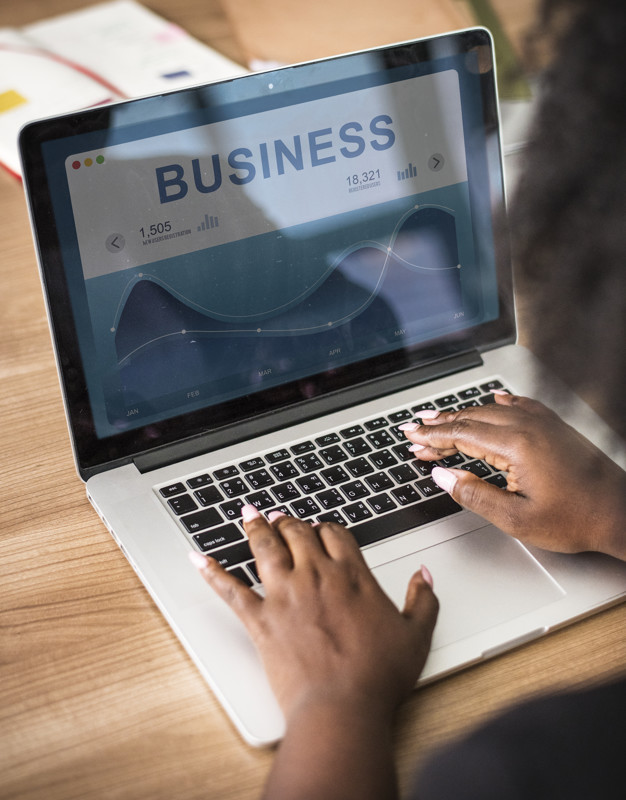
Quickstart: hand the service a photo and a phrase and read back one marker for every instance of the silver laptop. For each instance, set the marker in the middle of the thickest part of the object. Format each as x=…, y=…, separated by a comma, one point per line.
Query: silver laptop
x=250, y=286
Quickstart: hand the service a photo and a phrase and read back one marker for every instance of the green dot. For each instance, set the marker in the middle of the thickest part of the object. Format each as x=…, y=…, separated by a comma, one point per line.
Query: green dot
x=100, y=159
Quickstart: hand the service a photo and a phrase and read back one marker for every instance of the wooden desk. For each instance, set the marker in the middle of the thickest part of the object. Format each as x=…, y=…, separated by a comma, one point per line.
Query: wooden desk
x=97, y=697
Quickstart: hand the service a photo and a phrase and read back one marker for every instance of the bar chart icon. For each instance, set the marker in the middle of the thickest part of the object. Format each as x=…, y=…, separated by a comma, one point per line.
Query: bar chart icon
x=409, y=172
x=208, y=223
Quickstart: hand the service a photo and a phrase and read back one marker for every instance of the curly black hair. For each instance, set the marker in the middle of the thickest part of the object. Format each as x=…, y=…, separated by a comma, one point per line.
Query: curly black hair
x=568, y=215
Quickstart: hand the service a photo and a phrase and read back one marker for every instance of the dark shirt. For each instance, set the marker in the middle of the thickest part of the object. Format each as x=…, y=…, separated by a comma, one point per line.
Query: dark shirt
x=570, y=745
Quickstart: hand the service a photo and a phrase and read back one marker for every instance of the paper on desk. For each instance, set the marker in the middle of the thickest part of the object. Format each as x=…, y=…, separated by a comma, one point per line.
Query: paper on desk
x=106, y=52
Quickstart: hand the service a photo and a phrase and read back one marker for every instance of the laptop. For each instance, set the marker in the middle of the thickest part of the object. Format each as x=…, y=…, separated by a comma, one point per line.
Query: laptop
x=250, y=285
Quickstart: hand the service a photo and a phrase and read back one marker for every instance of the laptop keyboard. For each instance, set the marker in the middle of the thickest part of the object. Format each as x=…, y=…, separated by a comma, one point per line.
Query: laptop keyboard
x=362, y=476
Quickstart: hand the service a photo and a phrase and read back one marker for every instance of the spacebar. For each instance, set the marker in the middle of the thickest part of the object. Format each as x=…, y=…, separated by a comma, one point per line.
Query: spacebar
x=404, y=519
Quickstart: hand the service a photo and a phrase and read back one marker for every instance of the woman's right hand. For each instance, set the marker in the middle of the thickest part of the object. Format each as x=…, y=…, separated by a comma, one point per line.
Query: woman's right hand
x=563, y=494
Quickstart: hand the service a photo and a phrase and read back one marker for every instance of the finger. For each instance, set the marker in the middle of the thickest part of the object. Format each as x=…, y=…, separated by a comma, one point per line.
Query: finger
x=421, y=607
x=339, y=543
x=239, y=597
x=301, y=538
x=268, y=547
x=473, y=437
x=499, y=506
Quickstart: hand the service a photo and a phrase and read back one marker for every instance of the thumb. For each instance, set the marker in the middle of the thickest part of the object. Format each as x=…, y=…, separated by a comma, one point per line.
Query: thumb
x=421, y=606
x=496, y=505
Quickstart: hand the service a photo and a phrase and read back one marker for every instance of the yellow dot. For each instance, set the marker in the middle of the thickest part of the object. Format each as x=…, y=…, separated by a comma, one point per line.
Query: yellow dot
x=88, y=162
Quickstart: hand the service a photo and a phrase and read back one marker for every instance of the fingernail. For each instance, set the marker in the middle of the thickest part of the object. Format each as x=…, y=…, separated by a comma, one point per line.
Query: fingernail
x=249, y=512
x=499, y=391
x=415, y=448
x=275, y=515
x=428, y=413
x=408, y=426
x=198, y=560
x=427, y=576
x=445, y=478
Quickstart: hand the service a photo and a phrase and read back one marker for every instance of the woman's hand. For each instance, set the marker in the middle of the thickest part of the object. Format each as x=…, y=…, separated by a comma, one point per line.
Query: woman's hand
x=325, y=628
x=339, y=655
x=563, y=494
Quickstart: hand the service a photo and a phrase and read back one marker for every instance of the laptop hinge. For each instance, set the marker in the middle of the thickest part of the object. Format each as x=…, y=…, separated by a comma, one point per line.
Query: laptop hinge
x=301, y=412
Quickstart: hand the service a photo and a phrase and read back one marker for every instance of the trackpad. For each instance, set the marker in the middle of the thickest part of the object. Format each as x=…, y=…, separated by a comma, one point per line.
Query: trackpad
x=482, y=578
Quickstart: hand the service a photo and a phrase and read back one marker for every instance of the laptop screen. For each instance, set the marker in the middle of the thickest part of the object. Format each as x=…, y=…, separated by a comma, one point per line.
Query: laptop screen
x=231, y=249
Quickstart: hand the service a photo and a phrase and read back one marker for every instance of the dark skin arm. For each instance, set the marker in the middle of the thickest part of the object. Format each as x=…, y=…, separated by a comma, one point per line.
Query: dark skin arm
x=339, y=655
x=563, y=494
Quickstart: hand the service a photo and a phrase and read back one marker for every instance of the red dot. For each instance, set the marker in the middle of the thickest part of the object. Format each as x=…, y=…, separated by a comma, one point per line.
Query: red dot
x=75, y=164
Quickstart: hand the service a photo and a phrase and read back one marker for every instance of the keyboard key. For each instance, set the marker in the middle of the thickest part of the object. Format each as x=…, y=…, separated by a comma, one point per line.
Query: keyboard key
x=225, y=473
x=302, y=447
x=487, y=400
x=383, y=459
x=400, y=416
x=405, y=494
x=285, y=492
x=477, y=468
x=352, y=431
x=404, y=519
x=172, y=489
x=334, y=475
x=333, y=454
x=355, y=490
x=284, y=471
x=359, y=467
x=182, y=504
x=491, y=385
x=423, y=407
x=207, y=518
x=356, y=512
x=380, y=439
x=310, y=483
x=330, y=499
x=236, y=554
x=199, y=480
x=252, y=463
x=308, y=462
x=447, y=400
x=234, y=487
x=465, y=394
x=276, y=456
x=209, y=495
x=227, y=534
x=232, y=510
x=259, y=479
x=324, y=441
x=260, y=500
x=253, y=569
x=468, y=404
x=356, y=447
x=332, y=516
x=381, y=503
x=452, y=461
x=423, y=468
x=305, y=507
x=376, y=424
x=428, y=487
x=403, y=452
x=379, y=481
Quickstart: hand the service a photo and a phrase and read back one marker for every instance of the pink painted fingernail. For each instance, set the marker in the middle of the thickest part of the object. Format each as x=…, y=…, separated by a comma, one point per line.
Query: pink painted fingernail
x=415, y=448
x=273, y=515
x=249, y=512
x=499, y=391
x=427, y=576
x=197, y=559
x=445, y=478
x=408, y=426
x=428, y=413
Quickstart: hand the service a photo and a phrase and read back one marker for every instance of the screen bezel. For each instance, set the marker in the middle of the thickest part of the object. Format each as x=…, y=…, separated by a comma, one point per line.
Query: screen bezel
x=94, y=454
